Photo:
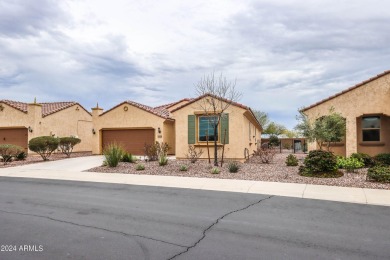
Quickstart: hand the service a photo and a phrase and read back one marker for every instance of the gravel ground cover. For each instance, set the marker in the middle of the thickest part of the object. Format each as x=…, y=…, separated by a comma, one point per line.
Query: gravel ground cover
x=38, y=159
x=277, y=171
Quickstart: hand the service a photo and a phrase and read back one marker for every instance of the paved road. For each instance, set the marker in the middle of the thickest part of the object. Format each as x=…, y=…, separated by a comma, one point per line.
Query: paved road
x=81, y=220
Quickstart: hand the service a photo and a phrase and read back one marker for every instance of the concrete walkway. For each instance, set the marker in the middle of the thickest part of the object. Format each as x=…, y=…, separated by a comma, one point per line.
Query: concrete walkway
x=72, y=169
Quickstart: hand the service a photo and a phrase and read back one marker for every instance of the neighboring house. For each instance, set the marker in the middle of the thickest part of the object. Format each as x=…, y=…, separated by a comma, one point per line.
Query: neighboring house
x=19, y=122
x=132, y=125
x=179, y=124
x=366, y=109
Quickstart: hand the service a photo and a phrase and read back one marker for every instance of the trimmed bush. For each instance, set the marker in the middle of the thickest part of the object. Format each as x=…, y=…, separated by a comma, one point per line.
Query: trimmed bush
x=215, y=170
x=379, y=173
x=183, y=168
x=319, y=163
x=44, y=146
x=291, y=160
x=113, y=154
x=67, y=144
x=9, y=151
x=128, y=157
x=367, y=160
x=350, y=164
x=383, y=159
x=233, y=167
x=140, y=167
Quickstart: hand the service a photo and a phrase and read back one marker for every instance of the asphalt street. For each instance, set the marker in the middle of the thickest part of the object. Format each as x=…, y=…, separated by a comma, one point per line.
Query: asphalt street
x=52, y=219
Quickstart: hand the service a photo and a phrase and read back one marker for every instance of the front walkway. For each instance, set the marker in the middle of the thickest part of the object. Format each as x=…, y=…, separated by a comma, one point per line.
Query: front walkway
x=72, y=169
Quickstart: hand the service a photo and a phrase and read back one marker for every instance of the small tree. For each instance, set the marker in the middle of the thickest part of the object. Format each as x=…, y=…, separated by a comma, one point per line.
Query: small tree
x=325, y=130
x=8, y=151
x=262, y=117
x=219, y=94
x=44, y=146
x=274, y=129
x=67, y=143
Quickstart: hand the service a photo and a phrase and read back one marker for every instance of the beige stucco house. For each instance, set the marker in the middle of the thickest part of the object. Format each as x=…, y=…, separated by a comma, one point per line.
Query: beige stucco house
x=366, y=109
x=179, y=124
x=20, y=122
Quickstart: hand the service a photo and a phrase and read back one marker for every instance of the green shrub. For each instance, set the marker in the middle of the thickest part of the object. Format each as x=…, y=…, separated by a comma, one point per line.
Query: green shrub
x=383, y=159
x=233, y=167
x=113, y=154
x=140, y=167
x=183, y=168
x=9, y=151
x=215, y=170
x=291, y=160
x=67, y=144
x=44, y=146
x=128, y=157
x=162, y=161
x=21, y=156
x=367, y=160
x=379, y=173
x=349, y=164
x=319, y=162
x=274, y=141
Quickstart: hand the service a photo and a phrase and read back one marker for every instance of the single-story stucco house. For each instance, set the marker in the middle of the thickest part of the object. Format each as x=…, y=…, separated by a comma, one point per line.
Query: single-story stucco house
x=179, y=124
x=366, y=109
x=20, y=122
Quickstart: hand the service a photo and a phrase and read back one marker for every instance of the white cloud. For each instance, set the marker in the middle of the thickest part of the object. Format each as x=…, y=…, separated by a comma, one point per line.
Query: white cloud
x=284, y=54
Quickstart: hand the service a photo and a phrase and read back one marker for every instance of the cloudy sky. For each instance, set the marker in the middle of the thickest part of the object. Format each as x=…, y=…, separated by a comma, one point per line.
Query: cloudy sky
x=284, y=54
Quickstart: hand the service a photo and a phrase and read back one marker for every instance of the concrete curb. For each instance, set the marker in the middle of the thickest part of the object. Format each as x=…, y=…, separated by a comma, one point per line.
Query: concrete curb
x=307, y=191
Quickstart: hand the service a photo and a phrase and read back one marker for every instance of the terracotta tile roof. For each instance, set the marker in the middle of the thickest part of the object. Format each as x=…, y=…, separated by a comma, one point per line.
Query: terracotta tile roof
x=158, y=111
x=15, y=104
x=47, y=108
x=347, y=90
x=210, y=95
x=193, y=100
x=173, y=103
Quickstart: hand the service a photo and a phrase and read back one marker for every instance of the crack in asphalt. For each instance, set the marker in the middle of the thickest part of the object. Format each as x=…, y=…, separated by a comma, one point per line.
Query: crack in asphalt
x=216, y=222
x=93, y=227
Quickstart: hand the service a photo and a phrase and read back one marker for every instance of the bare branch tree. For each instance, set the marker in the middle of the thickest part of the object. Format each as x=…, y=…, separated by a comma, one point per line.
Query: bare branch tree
x=219, y=93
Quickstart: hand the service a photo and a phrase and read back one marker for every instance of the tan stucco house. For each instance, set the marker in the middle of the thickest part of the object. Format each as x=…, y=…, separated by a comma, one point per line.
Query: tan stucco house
x=20, y=122
x=366, y=109
x=179, y=124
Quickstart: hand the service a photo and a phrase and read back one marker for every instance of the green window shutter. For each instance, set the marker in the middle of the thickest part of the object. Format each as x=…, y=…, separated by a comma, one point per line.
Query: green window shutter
x=225, y=126
x=191, y=129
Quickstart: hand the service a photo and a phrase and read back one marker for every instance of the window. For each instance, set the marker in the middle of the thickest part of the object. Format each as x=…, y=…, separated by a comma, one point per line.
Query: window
x=371, y=127
x=206, y=128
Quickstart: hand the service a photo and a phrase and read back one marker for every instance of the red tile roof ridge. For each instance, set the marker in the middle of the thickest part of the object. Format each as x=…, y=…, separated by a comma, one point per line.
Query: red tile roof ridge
x=48, y=108
x=161, y=112
x=174, y=103
x=211, y=95
x=347, y=90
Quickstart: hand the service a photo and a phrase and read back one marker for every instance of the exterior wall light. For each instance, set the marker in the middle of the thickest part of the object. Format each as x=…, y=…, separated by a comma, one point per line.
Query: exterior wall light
x=30, y=129
x=159, y=130
x=93, y=131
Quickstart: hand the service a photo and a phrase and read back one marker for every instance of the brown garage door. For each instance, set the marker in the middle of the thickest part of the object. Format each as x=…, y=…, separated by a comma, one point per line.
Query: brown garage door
x=16, y=136
x=133, y=140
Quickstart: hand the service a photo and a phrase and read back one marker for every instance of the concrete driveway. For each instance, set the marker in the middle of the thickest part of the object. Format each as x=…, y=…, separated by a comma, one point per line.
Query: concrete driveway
x=72, y=164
